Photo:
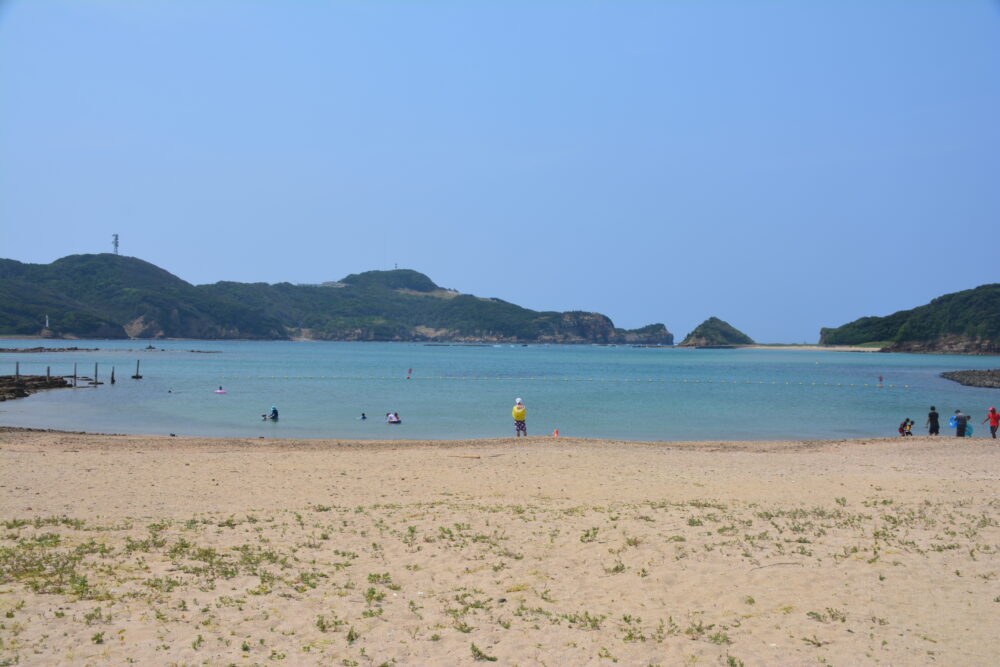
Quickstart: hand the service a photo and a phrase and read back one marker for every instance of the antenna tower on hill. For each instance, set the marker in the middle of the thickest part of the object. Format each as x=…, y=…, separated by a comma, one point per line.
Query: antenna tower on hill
x=114, y=242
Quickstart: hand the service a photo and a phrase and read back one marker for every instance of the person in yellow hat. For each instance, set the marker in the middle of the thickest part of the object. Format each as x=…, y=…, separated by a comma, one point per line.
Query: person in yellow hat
x=518, y=413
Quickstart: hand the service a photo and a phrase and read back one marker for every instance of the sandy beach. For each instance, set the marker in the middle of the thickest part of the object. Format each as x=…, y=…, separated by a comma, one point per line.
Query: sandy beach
x=543, y=551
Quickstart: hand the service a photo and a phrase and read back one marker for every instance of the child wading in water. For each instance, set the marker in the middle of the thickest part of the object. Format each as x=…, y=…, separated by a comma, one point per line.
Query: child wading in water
x=518, y=414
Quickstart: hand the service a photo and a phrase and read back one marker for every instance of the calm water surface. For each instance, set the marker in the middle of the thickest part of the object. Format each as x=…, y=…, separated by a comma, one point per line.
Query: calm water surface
x=321, y=388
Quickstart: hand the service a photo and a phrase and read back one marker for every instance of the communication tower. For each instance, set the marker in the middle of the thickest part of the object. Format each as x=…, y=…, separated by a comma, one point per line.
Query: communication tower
x=114, y=242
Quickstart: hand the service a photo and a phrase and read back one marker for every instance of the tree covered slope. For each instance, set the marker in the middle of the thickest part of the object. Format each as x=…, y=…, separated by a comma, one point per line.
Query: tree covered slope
x=966, y=322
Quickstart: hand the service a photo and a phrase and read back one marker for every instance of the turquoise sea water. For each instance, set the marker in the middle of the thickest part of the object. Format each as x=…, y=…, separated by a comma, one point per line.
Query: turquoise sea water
x=464, y=392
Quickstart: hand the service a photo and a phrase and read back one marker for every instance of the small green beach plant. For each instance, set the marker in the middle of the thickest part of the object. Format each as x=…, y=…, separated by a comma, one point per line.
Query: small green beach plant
x=478, y=654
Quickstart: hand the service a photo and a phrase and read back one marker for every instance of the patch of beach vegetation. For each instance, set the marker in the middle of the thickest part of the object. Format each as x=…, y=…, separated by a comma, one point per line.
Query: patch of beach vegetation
x=390, y=584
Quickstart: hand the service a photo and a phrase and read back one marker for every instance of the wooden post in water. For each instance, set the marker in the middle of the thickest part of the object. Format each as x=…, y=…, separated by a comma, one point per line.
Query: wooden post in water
x=17, y=371
x=48, y=373
x=74, y=373
x=95, y=375
x=112, y=375
x=136, y=376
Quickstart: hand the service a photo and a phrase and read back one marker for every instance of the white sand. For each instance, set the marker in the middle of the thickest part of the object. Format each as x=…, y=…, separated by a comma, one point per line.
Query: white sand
x=539, y=551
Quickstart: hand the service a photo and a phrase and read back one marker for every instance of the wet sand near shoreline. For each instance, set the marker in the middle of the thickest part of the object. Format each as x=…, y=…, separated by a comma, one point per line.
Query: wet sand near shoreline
x=538, y=551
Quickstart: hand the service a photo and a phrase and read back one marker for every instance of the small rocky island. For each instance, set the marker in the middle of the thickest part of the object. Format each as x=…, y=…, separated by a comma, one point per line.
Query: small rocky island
x=717, y=333
x=989, y=379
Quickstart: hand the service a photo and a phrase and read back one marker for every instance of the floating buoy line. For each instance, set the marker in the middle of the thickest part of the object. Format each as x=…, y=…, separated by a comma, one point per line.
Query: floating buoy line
x=500, y=378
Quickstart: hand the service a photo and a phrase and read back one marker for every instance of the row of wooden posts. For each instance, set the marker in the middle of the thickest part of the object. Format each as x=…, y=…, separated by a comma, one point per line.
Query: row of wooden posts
x=94, y=381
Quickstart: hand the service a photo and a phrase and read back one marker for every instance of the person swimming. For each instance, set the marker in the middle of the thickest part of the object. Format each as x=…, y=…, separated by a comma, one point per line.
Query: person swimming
x=274, y=413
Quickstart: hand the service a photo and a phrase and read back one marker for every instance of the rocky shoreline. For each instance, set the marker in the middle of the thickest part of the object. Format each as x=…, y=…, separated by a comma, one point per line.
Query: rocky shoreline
x=952, y=344
x=40, y=350
x=989, y=379
x=12, y=387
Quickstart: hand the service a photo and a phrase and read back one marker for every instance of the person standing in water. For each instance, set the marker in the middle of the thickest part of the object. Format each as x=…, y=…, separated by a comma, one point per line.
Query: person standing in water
x=994, y=418
x=933, y=427
x=960, y=422
x=518, y=413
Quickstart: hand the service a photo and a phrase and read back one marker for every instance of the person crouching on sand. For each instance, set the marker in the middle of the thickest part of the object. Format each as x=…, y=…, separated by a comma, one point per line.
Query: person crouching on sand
x=518, y=414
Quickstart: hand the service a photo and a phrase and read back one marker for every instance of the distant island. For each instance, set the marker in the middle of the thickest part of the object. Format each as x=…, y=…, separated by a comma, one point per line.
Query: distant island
x=966, y=322
x=714, y=332
x=112, y=296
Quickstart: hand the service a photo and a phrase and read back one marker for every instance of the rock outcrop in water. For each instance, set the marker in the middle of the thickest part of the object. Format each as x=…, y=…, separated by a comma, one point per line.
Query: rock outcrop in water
x=12, y=387
x=989, y=379
x=109, y=296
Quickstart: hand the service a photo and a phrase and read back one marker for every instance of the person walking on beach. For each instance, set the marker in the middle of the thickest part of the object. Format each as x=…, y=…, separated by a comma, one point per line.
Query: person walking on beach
x=933, y=427
x=993, y=417
x=518, y=413
x=960, y=422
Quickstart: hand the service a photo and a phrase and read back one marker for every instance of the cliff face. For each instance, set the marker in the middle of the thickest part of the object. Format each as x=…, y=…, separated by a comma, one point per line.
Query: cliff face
x=951, y=344
x=106, y=296
x=575, y=327
x=966, y=322
x=579, y=327
x=652, y=334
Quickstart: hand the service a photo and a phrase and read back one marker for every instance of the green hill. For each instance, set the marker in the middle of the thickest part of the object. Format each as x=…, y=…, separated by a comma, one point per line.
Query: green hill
x=110, y=296
x=406, y=305
x=714, y=332
x=397, y=279
x=25, y=306
x=966, y=322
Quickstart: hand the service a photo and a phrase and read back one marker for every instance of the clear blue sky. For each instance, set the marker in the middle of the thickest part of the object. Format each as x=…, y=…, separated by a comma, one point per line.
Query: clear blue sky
x=782, y=165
